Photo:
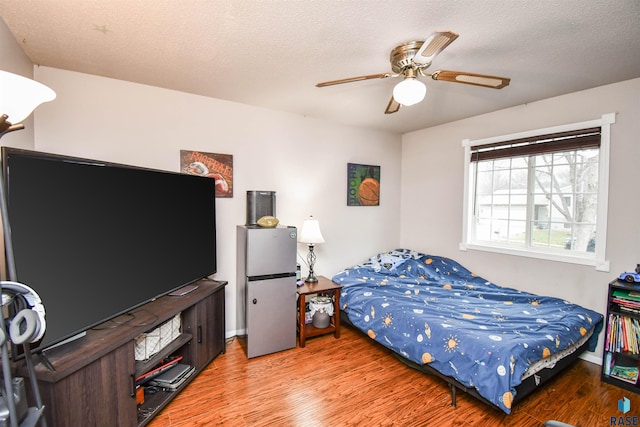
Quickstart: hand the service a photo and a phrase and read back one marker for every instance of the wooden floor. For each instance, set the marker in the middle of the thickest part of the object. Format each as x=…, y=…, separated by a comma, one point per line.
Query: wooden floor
x=353, y=381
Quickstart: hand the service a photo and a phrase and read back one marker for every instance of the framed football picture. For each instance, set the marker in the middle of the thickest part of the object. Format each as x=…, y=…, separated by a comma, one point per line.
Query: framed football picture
x=213, y=165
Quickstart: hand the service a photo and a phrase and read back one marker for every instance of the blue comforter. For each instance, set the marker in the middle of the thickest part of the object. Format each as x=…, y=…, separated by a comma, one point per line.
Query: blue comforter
x=432, y=310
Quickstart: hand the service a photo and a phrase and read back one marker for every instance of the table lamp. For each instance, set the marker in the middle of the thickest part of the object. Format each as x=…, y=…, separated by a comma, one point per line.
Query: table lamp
x=311, y=235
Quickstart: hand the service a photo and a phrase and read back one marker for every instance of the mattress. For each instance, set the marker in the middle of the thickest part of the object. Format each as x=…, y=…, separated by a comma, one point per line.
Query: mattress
x=431, y=310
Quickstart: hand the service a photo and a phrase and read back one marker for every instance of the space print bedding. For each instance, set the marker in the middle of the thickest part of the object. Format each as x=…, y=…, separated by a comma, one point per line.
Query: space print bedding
x=433, y=311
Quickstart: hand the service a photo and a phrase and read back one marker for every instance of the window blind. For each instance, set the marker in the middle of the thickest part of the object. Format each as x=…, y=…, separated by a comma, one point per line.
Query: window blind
x=540, y=144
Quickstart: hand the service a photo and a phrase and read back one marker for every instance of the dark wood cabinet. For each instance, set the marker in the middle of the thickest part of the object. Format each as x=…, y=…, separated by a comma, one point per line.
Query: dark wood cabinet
x=206, y=325
x=81, y=398
x=94, y=378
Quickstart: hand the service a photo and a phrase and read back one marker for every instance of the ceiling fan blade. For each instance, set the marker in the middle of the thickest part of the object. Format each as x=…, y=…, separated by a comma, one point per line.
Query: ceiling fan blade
x=471, y=79
x=393, y=106
x=433, y=45
x=354, y=79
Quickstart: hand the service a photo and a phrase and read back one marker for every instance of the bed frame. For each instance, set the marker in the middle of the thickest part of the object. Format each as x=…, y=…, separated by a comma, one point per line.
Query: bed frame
x=528, y=386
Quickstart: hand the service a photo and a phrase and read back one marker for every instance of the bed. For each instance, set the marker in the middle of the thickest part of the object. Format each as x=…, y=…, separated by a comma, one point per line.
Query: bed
x=496, y=343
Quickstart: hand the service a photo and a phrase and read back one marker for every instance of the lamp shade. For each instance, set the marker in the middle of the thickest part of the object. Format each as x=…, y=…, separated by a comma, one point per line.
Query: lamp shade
x=310, y=232
x=19, y=96
x=409, y=91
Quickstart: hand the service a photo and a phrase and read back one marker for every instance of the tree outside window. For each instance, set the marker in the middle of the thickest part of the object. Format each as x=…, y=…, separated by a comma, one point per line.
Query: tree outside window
x=544, y=201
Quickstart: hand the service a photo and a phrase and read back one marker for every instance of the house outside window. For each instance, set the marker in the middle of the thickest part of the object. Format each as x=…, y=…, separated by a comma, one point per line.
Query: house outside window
x=541, y=193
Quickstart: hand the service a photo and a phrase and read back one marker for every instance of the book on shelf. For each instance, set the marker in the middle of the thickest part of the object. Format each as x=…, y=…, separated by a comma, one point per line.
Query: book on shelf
x=623, y=334
x=626, y=303
x=629, y=309
x=626, y=294
x=607, y=363
x=625, y=373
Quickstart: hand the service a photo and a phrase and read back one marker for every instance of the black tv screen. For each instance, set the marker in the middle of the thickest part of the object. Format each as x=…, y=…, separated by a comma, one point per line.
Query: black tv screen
x=97, y=239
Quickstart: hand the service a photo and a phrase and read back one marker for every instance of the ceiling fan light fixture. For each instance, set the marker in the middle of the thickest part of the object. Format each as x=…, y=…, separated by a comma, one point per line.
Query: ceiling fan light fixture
x=409, y=91
x=410, y=60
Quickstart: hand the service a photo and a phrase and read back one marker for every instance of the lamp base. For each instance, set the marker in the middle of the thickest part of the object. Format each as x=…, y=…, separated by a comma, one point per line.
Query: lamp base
x=311, y=260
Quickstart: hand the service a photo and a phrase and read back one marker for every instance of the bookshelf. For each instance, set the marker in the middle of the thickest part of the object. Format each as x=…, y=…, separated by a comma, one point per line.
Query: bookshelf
x=621, y=354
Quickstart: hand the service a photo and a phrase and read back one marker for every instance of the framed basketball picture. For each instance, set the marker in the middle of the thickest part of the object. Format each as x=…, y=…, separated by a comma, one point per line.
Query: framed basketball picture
x=213, y=165
x=363, y=185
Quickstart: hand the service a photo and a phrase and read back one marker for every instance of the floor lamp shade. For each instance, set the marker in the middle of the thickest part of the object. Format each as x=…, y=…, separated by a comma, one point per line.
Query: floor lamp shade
x=19, y=96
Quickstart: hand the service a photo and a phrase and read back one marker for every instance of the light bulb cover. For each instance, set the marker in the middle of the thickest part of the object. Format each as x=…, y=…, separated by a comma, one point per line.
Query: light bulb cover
x=19, y=96
x=409, y=91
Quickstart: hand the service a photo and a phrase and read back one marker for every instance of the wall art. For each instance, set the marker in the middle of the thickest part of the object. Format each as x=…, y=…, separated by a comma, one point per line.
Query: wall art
x=363, y=185
x=214, y=165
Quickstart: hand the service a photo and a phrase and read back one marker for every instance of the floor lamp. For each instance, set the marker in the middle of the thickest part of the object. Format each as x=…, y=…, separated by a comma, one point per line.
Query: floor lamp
x=19, y=96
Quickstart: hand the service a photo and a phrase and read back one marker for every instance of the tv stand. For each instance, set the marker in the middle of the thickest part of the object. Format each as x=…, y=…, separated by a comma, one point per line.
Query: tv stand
x=93, y=382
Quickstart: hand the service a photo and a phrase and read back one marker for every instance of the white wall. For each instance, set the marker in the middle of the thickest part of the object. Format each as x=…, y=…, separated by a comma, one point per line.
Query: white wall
x=432, y=193
x=303, y=160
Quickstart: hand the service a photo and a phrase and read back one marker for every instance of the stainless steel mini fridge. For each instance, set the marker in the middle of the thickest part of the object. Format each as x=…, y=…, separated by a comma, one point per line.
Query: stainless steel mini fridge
x=266, y=283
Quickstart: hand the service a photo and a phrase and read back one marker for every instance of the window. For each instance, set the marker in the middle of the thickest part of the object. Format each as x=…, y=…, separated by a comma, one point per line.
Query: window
x=541, y=194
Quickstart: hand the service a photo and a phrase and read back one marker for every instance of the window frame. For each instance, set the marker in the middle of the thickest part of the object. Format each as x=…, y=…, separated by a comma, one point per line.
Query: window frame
x=598, y=258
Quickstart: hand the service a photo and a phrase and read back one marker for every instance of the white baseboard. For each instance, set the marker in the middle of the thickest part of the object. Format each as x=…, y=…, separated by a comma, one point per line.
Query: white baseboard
x=591, y=357
x=237, y=332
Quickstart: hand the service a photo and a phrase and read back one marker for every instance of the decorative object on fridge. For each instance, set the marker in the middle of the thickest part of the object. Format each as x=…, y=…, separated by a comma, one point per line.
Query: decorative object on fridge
x=268, y=221
x=259, y=204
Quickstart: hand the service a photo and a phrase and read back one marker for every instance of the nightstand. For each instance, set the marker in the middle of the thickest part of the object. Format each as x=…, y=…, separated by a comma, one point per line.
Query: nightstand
x=326, y=287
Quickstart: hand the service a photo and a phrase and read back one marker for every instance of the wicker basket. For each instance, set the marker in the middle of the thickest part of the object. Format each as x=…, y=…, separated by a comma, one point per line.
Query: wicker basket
x=150, y=343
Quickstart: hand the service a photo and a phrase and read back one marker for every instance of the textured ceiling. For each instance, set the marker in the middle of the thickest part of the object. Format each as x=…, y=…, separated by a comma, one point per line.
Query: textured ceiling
x=271, y=53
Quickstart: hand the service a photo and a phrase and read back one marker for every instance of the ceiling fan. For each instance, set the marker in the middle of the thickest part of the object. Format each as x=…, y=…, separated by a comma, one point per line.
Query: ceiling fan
x=410, y=60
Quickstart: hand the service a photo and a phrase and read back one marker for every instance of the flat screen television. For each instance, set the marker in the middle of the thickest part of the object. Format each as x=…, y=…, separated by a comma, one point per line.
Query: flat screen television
x=96, y=240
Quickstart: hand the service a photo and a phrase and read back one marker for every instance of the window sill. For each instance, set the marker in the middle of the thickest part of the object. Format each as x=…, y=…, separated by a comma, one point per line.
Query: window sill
x=600, y=265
